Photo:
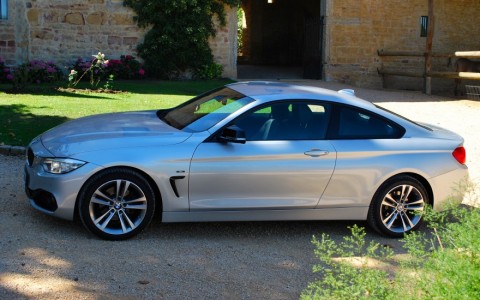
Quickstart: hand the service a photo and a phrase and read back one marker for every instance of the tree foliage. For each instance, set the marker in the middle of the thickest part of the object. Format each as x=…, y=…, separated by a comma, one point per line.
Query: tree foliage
x=177, y=40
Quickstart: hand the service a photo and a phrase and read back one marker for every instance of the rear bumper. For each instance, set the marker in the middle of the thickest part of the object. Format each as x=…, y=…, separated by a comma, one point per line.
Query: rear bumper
x=450, y=186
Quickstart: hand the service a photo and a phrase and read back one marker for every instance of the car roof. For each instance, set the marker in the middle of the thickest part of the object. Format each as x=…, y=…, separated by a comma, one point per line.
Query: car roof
x=268, y=91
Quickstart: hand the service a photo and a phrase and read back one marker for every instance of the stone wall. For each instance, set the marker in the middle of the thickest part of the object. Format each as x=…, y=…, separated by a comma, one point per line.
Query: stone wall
x=8, y=41
x=63, y=30
x=356, y=29
x=224, y=44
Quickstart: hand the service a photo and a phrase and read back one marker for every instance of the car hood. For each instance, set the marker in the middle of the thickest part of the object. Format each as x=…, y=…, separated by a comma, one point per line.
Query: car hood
x=111, y=131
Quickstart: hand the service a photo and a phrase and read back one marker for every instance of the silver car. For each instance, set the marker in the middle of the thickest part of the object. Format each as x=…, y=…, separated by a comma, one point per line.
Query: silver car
x=245, y=152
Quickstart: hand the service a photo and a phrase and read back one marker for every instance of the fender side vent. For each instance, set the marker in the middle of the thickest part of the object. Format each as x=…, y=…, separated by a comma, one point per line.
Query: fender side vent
x=174, y=185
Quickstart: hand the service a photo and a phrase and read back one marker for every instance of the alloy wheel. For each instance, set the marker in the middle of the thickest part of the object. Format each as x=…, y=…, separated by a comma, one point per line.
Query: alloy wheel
x=118, y=207
x=401, y=208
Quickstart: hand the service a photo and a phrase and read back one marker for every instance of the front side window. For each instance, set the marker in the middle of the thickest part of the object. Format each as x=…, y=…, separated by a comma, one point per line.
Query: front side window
x=290, y=120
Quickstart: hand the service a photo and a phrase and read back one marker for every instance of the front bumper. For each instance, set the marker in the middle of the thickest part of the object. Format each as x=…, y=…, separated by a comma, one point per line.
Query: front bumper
x=54, y=194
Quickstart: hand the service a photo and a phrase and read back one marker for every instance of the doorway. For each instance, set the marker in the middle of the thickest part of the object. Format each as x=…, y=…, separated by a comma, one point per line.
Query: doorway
x=280, y=39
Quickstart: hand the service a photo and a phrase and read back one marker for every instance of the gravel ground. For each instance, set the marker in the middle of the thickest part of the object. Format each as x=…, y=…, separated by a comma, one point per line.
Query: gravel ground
x=42, y=257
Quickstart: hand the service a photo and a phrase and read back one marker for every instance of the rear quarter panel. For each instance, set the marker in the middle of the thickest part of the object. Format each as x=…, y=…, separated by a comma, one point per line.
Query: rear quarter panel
x=363, y=165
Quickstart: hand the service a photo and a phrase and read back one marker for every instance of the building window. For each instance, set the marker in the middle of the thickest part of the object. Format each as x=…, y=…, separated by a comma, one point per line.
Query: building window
x=423, y=26
x=3, y=10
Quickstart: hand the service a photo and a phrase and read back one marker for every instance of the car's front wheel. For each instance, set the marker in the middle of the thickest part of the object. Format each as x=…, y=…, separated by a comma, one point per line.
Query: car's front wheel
x=116, y=204
x=397, y=206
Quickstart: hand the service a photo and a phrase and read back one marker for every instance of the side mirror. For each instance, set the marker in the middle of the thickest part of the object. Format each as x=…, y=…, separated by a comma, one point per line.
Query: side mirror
x=232, y=134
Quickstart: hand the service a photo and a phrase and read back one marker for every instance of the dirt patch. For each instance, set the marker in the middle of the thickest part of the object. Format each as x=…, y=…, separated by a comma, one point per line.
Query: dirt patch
x=90, y=91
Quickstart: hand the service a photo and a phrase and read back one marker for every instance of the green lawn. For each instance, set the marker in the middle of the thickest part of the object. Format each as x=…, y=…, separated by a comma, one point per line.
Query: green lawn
x=25, y=115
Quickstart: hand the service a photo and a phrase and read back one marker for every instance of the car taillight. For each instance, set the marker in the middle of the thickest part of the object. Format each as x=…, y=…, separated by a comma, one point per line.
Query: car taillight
x=460, y=155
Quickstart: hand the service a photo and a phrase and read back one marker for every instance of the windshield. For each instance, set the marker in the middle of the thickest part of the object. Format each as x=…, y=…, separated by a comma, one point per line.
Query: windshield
x=204, y=111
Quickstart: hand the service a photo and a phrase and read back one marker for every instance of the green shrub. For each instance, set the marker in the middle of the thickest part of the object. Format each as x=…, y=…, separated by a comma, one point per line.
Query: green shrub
x=446, y=262
x=37, y=72
x=127, y=67
x=352, y=277
x=211, y=71
x=177, y=41
x=5, y=72
x=442, y=263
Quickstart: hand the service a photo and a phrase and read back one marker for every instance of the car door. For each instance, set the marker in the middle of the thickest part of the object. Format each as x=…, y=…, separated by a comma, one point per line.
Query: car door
x=368, y=148
x=285, y=162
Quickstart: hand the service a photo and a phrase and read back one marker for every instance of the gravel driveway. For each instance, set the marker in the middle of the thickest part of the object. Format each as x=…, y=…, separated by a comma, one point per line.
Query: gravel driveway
x=43, y=257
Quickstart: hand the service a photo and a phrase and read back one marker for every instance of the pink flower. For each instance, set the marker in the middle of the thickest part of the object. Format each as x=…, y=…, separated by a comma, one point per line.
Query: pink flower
x=141, y=72
x=9, y=77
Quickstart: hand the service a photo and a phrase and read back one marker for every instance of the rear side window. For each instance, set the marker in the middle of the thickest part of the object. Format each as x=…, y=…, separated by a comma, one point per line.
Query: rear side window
x=352, y=123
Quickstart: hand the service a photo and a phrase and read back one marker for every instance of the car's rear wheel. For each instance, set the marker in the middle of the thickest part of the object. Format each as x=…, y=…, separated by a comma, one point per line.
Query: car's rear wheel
x=397, y=206
x=116, y=204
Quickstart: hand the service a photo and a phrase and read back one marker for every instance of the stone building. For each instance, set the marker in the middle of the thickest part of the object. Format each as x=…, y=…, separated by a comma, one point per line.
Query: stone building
x=338, y=40
x=322, y=39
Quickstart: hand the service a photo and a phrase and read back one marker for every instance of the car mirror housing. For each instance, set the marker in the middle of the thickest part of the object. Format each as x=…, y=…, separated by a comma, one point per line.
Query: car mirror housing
x=232, y=134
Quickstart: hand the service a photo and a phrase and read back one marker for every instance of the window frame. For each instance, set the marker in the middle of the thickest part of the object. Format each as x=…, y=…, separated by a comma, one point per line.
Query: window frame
x=327, y=105
x=423, y=26
x=3, y=9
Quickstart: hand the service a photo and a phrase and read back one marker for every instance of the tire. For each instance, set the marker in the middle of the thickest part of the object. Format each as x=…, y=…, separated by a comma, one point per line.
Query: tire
x=116, y=204
x=397, y=206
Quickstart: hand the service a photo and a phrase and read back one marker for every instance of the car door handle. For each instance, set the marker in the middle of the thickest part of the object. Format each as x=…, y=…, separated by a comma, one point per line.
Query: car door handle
x=316, y=152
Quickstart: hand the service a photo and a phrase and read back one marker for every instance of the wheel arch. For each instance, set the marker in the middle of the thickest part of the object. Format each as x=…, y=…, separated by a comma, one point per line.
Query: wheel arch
x=421, y=179
x=151, y=182
x=387, y=219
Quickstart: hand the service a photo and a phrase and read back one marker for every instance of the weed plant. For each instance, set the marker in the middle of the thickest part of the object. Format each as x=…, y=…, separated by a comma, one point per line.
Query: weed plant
x=443, y=262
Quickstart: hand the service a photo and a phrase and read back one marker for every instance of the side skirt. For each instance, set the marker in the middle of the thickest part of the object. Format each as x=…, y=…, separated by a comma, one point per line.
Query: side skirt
x=350, y=213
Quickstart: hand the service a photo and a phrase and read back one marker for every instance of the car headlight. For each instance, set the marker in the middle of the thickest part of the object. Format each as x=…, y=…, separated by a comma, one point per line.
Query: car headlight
x=61, y=165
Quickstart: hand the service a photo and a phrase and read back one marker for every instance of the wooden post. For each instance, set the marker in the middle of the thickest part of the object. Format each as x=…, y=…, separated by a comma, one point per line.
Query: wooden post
x=428, y=50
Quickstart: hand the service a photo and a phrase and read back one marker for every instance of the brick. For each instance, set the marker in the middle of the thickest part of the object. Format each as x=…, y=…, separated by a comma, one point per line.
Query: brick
x=122, y=19
x=130, y=41
x=32, y=16
x=114, y=40
x=97, y=18
x=74, y=19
